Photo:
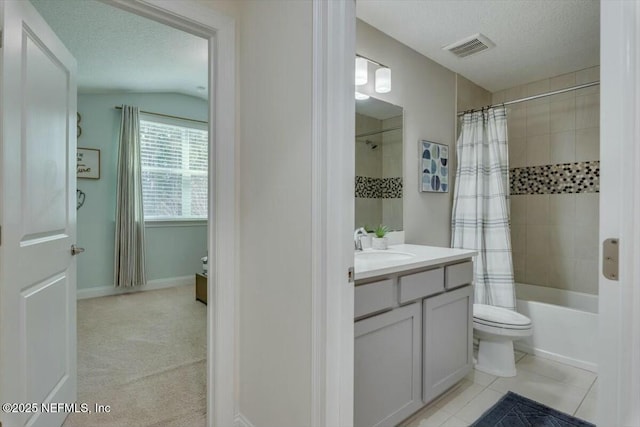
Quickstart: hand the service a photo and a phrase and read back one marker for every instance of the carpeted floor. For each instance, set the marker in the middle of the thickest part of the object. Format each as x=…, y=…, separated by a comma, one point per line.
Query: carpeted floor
x=144, y=354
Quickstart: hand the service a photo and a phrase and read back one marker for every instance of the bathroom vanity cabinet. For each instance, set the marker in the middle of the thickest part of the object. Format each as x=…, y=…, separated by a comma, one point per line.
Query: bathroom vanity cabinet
x=413, y=339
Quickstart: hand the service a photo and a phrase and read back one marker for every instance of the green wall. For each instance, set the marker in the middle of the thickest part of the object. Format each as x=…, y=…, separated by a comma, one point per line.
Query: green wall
x=171, y=250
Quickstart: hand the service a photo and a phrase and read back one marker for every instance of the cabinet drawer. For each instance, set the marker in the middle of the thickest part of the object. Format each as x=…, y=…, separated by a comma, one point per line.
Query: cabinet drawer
x=374, y=297
x=457, y=275
x=420, y=285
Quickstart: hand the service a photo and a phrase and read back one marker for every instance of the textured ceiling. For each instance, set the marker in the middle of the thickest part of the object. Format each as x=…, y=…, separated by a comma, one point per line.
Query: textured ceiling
x=117, y=50
x=534, y=39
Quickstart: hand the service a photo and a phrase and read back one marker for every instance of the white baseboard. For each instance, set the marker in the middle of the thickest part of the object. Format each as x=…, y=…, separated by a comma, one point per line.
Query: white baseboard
x=589, y=366
x=152, y=285
x=242, y=421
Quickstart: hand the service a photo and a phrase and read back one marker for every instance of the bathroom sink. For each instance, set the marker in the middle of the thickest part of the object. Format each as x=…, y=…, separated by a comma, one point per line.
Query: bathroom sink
x=374, y=255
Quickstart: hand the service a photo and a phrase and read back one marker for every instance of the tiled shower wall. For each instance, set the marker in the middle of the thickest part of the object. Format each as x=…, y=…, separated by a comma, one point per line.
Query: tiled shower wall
x=379, y=174
x=554, y=236
x=392, y=171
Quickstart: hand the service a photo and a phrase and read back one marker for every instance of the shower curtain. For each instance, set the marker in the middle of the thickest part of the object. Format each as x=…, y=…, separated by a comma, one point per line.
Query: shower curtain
x=480, y=218
x=129, y=239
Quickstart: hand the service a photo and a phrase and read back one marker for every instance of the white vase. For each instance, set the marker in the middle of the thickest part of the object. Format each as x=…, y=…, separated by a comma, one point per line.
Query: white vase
x=379, y=243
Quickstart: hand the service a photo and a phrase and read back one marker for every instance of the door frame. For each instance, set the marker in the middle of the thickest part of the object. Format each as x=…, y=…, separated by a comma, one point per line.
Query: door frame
x=619, y=301
x=332, y=176
x=220, y=31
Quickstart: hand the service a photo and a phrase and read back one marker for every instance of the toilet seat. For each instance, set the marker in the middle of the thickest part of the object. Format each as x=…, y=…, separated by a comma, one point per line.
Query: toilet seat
x=496, y=328
x=499, y=317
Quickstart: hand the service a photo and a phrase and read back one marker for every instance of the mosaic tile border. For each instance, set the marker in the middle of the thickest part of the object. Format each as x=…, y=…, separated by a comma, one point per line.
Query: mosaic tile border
x=368, y=188
x=579, y=177
x=378, y=188
x=391, y=188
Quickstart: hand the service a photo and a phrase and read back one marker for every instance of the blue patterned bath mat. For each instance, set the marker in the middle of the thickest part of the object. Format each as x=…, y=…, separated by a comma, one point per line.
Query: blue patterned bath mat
x=514, y=410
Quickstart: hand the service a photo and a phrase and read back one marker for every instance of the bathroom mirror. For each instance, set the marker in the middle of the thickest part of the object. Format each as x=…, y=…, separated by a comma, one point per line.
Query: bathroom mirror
x=378, y=186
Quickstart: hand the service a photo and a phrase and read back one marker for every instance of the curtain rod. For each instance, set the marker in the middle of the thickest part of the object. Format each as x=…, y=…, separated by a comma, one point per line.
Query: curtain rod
x=117, y=107
x=530, y=98
x=375, y=132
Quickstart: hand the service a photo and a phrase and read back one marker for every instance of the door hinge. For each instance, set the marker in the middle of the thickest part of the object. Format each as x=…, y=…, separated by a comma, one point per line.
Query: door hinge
x=351, y=274
x=610, y=258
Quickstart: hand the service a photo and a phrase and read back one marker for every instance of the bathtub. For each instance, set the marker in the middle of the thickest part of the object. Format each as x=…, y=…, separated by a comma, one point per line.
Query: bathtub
x=565, y=325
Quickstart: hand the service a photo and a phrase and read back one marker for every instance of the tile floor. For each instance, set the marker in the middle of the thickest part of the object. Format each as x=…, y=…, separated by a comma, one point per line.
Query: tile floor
x=565, y=388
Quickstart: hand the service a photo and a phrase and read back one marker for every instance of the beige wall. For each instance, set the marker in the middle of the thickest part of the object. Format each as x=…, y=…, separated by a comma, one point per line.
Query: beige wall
x=555, y=236
x=469, y=95
x=275, y=67
x=228, y=7
x=426, y=91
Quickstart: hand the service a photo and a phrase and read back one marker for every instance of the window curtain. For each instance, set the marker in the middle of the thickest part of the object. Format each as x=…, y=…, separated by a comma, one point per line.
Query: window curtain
x=129, y=239
x=480, y=218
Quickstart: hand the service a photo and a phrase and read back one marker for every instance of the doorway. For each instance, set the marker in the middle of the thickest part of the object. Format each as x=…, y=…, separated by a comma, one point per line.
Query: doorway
x=152, y=339
x=218, y=30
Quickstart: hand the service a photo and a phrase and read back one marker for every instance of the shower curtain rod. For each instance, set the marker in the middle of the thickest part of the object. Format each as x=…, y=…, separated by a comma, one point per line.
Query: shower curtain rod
x=375, y=132
x=530, y=98
x=118, y=107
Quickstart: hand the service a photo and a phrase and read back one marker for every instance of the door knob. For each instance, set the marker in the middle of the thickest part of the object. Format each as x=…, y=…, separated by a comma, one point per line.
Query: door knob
x=75, y=250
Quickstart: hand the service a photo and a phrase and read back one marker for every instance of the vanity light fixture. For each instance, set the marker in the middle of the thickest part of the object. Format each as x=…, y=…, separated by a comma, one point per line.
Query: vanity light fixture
x=382, y=79
x=362, y=71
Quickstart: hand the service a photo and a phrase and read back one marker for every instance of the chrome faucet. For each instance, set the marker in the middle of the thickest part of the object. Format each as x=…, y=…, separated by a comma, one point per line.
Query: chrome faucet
x=357, y=235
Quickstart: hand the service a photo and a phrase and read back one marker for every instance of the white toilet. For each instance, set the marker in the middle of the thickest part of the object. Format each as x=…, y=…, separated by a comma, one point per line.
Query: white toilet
x=496, y=328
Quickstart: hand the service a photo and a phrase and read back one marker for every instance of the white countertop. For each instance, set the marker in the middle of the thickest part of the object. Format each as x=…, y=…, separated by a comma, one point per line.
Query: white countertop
x=424, y=256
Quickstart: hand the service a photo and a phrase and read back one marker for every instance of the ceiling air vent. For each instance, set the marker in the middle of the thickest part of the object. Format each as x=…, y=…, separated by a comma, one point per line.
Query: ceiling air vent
x=470, y=45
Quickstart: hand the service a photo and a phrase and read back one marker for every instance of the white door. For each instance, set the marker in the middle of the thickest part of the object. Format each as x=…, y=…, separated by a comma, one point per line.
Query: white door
x=619, y=363
x=38, y=219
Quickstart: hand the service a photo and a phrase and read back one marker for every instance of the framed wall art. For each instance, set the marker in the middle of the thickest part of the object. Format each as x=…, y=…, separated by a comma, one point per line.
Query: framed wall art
x=88, y=163
x=434, y=167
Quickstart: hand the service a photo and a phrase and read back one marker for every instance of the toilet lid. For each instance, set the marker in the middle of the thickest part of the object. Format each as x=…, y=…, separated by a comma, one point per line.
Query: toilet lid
x=500, y=316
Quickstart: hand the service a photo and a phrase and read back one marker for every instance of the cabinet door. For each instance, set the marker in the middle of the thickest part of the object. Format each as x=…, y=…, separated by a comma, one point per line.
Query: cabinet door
x=388, y=367
x=448, y=340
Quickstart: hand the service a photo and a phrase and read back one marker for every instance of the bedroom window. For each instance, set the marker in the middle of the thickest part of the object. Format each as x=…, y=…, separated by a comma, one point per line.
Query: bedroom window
x=174, y=169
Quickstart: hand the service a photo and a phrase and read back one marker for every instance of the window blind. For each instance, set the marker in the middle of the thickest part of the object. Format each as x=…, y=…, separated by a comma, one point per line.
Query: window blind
x=174, y=170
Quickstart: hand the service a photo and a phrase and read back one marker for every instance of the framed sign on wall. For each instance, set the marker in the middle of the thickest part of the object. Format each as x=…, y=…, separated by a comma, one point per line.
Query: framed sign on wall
x=88, y=163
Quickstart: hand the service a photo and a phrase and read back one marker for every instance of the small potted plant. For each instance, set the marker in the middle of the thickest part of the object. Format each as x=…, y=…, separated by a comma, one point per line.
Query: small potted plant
x=380, y=239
